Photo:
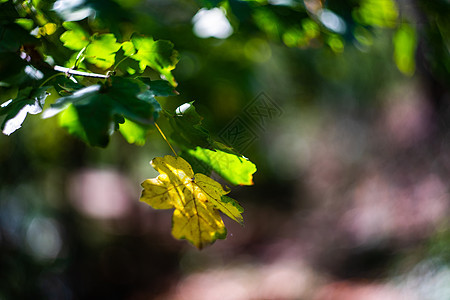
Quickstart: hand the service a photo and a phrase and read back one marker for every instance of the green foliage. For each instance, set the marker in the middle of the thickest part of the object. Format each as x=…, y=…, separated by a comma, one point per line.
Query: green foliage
x=187, y=130
x=159, y=55
x=110, y=83
x=75, y=37
x=102, y=49
x=95, y=111
x=92, y=106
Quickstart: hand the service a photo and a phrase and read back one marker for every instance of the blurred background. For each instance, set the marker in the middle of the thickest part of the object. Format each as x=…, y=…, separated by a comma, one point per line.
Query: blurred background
x=342, y=105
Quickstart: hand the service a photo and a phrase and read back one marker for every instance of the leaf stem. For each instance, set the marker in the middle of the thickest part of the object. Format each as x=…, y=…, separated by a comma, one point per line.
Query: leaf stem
x=50, y=78
x=115, y=67
x=75, y=65
x=164, y=137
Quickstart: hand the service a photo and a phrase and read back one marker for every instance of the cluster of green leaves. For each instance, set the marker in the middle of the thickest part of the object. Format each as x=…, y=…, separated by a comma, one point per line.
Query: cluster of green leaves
x=106, y=86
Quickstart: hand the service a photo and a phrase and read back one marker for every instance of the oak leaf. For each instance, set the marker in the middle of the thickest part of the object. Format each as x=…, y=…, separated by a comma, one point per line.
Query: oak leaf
x=197, y=200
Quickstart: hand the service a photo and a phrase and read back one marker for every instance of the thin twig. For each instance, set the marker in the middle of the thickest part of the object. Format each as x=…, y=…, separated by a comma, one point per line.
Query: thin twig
x=70, y=71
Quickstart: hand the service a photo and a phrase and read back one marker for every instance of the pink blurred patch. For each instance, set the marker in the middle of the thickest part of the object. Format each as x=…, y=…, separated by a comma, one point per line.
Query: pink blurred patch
x=381, y=209
x=101, y=194
x=407, y=117
x=360, y=291
x=283, y=279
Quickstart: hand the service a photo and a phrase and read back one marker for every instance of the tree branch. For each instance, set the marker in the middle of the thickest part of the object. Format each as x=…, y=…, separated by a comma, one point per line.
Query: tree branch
x=70, y=71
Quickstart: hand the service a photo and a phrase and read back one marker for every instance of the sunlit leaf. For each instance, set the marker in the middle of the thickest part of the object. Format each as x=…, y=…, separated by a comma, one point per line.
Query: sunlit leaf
x=94, y=131
x=158, y=55
x=236, y=169
x=133, y=133
x=128, y=48
x=75, y=37
x=28, y=101
x=101, y=51
x=25, y=23
x=196, y=198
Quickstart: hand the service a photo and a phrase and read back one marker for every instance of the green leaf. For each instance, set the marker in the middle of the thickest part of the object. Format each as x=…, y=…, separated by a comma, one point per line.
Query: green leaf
x=134, y=100
x=69, y=119
x=128, y=48
x=197, y=165
x=90, y=122
x=133, y=133
x=101, y=51
x=233, y=168
x=188, y=132
x=159, y=87
x=158, y=55
x=28, y=101
x=187, y=129
x=126, y=65
x=27, y=24
x=98, y=109
x=75, y=37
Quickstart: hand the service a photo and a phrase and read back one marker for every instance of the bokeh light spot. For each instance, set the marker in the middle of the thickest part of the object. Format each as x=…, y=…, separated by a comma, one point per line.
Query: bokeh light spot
x=43, y=238
x=211, y=23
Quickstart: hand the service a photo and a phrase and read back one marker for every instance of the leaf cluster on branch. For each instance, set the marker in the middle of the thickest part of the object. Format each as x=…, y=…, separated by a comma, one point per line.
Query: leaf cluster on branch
x=101, y=86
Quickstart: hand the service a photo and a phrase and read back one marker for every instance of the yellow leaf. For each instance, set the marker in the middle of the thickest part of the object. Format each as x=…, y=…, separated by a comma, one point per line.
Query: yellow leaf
x=196, y=199
x=47, y=29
